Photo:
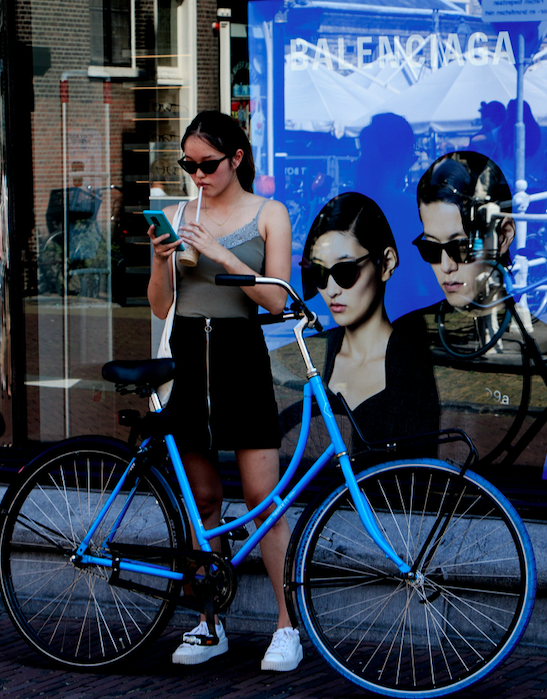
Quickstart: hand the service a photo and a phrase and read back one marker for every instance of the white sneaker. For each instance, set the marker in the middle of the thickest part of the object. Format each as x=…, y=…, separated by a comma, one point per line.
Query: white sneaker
x=191, y=653
x=284, y=652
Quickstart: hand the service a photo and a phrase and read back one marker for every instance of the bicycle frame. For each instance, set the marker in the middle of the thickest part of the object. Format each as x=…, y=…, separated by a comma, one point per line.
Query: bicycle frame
x=415, y=626
x=314, y=388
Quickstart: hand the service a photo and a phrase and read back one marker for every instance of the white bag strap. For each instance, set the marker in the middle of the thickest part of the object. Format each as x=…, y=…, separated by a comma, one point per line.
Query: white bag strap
x=176, y=224
x=164, y=349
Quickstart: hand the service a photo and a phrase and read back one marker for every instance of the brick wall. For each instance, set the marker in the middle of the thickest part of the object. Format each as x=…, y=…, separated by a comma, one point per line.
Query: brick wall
x=63, y=27
x=93, y=131
x=208, y=56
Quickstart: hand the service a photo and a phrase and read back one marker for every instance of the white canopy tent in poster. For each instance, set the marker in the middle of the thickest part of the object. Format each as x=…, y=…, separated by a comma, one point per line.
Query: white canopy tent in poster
x=322, y=100
x=383, y=80
x=448, y=100
x=537, y=73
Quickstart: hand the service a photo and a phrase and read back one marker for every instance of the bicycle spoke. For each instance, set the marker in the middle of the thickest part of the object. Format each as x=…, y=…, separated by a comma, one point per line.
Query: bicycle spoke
x=459, y=614
x=67, y=608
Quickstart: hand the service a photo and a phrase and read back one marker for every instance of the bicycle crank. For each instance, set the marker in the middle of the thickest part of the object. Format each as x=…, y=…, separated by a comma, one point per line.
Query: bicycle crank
x=207, y=578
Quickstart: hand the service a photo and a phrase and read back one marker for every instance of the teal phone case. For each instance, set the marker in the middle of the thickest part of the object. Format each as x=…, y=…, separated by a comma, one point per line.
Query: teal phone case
x=162, y=226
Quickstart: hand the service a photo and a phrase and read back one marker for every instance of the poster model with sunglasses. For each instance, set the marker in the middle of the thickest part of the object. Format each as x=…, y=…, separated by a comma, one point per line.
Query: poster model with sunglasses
x=465, y=205
x=462, y=239
x=385, y=377
x=468, y=250
x=223, y=397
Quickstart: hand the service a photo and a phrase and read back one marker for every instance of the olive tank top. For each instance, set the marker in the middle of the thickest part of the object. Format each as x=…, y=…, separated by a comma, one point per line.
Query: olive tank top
x=197, y=293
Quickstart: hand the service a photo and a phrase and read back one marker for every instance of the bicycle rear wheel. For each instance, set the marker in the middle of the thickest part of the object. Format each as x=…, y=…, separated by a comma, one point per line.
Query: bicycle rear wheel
x=71, y=614
x=453, y=624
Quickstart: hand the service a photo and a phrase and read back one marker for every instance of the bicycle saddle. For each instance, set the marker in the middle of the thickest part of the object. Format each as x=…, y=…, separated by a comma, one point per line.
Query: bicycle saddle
x=152, y=372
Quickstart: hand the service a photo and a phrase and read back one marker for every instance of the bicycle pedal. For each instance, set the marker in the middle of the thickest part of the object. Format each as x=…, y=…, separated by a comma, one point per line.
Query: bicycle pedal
x=200, y=639
x=239, y=534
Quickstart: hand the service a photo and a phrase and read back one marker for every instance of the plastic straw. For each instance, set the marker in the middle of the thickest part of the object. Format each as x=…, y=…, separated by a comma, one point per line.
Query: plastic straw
x=199, y=204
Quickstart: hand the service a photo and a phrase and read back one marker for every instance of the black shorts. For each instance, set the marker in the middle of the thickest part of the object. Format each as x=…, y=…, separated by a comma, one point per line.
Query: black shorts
x=228, y=402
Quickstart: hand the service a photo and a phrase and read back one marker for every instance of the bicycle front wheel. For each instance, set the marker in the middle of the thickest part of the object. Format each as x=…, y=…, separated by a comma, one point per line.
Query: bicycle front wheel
x=70, y=614
x=451, y=625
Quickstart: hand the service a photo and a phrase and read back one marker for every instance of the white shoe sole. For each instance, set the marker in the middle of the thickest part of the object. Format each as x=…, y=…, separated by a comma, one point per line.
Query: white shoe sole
x=283, y=665
x=204, y=654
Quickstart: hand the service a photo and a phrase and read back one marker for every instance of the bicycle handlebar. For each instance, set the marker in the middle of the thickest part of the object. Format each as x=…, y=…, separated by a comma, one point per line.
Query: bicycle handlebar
x=235, y=280
x=298, y=307
x=270, y=319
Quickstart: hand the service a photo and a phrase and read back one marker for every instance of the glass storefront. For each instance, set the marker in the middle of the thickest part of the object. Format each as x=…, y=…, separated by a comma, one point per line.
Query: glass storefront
x=348, y=96
x=113, y=86
x=336, y=96
x=6, y=429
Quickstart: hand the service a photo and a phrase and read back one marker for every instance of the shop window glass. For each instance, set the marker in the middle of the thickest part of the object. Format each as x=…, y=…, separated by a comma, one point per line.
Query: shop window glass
x=110, y=40
x=6, y=431
x=345, y=98
x=167, y=33
x=100, y=139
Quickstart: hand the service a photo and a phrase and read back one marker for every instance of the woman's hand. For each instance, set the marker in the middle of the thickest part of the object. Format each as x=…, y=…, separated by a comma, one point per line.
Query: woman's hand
x=197, y=235
x=161, y=250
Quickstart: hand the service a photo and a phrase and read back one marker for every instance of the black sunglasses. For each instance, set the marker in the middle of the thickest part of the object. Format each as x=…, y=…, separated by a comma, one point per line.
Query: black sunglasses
x=345, y=274
x=206, y=166
x=459, y=250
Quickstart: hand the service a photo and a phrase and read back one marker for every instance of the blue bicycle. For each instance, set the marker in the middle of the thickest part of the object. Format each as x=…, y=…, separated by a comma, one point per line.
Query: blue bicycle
x=413, y=578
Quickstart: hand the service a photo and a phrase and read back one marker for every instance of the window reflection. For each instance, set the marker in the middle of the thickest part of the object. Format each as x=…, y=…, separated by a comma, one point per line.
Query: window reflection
x=107, y=123
x=110, y=36
x=167, y=32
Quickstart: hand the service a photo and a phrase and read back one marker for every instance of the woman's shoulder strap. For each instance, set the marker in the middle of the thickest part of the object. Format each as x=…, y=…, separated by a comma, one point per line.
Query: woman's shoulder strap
x=179, y=214
x=256, y=218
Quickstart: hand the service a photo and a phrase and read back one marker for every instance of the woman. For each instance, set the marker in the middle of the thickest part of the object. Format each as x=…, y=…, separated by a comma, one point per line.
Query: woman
x=385, y=377
x=223, y=394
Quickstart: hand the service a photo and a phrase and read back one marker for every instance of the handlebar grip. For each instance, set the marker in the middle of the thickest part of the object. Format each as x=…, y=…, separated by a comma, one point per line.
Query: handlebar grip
x=269, y=319
x=317, y=325
x=235, y=280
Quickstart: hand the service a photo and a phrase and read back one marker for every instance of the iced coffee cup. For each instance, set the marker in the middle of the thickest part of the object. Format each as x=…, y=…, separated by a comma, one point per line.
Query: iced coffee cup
x=190, y=256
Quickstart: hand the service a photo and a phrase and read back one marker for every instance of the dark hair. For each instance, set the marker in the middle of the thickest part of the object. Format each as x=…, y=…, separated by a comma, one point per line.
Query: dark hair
x=494, y=111
x=357, y=215
x=506, y=135
x=225, y=135
x=466, y=179
x=393, y=131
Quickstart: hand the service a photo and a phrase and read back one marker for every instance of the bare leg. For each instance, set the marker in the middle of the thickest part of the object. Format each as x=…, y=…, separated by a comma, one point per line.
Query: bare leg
x=259, y=470
x=206, y=485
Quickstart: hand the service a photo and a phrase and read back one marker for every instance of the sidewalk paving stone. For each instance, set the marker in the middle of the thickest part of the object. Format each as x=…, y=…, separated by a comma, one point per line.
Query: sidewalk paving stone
x=235, y=675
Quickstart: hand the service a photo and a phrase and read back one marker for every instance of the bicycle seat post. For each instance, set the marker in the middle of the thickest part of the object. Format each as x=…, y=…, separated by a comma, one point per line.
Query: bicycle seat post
x=155, y=400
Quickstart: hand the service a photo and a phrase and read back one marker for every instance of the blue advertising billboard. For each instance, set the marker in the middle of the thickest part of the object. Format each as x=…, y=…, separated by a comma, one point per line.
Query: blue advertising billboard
x=373, y=98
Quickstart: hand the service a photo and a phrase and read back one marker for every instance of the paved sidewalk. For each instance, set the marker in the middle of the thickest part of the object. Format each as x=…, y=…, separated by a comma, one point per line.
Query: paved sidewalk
x=236, y=675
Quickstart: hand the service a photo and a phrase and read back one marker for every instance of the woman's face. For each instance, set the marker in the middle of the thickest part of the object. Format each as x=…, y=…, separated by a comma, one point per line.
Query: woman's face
x=198, y=150
x=461, y=283
x=348, y=306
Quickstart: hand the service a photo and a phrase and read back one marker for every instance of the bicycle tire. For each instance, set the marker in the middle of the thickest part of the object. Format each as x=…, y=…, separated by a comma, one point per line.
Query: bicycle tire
x=473, y=347
x=454, y=624
x=72, y=615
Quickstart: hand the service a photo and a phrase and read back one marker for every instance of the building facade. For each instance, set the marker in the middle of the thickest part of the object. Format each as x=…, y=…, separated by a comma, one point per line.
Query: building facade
x=95, y=95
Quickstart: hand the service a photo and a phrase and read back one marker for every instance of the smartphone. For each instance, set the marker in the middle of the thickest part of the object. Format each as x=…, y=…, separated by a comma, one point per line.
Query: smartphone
x=161, y=222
